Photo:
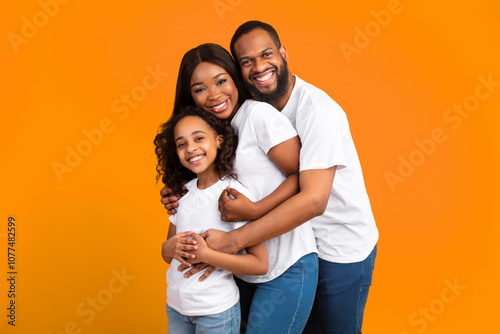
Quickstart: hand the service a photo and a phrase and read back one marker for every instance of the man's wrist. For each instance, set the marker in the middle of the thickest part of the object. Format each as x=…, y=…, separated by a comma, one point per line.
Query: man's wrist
x=235, y=239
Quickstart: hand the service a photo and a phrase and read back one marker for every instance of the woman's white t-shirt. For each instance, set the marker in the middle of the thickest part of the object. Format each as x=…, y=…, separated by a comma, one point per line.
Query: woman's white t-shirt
x=260, y=127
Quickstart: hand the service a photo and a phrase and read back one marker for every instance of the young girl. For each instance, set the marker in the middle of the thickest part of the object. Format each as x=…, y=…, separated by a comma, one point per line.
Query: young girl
x=197, y=150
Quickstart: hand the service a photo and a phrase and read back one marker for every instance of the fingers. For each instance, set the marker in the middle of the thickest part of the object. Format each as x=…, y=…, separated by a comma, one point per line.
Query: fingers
x=196, y=268
x=223, y=196
x=197, y=238
x=170, y=201
x=164, y=191
x=172, y=212
x=207, y=273
x=184, y=266
x=182, y=261
x=233, y=192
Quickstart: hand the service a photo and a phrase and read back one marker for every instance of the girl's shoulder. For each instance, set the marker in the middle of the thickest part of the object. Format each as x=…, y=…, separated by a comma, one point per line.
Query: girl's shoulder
x=235, y=184
x=191, y=187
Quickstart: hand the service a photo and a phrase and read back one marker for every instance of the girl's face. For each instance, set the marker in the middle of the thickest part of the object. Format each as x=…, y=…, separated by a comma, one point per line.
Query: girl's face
x=197, y=145
x=213, y=90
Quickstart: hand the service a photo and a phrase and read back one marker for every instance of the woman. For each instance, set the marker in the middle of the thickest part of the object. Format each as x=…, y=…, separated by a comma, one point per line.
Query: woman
x=267, y=163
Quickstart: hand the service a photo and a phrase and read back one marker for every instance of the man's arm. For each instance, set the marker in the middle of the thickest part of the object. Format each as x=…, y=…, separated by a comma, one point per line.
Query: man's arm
x=311, y=201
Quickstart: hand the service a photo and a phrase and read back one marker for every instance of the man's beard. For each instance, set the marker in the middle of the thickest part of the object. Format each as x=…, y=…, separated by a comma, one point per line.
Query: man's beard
x=281, y=89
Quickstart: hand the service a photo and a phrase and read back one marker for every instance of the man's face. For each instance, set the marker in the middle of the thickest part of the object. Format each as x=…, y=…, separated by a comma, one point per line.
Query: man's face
x=263, y=66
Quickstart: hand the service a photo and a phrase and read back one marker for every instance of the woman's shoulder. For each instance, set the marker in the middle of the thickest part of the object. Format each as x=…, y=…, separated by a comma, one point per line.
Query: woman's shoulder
x=255, y=106
x=259, y=112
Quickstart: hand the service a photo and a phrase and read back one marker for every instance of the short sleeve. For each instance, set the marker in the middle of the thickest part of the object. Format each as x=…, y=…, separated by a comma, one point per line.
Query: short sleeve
x=238, y=186
x=173, y=219
x=323, y=134
x=271, y=127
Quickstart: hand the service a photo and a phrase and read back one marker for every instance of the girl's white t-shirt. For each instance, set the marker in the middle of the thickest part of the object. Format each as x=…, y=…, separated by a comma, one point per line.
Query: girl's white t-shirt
x=260, y=127
x=198, y=211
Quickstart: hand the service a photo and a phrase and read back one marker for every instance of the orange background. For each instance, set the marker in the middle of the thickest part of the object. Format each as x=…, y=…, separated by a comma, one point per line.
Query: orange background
x=75, y=234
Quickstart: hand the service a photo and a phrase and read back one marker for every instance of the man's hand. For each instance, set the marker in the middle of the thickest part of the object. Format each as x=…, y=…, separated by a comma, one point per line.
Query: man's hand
x=220, y=241
x=177, y=247
x=238, y=209
x=195, y=269
x=169, y=200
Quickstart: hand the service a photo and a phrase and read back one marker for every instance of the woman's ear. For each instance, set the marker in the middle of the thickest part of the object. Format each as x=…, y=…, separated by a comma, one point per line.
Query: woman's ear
x=220, y=140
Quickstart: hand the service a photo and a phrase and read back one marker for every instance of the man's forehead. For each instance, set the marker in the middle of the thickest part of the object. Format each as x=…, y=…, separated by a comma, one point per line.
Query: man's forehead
x=256, y=41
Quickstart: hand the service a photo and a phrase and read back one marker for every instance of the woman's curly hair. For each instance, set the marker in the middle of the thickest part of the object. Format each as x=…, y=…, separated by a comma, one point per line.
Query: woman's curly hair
x=169, y=168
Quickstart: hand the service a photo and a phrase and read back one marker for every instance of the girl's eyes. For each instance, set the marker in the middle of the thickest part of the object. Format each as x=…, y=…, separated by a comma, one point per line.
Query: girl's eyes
x=197, y=90
x=197, y=139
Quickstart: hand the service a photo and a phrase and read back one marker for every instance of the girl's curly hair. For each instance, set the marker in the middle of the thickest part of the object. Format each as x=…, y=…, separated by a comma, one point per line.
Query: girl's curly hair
x=169, y=168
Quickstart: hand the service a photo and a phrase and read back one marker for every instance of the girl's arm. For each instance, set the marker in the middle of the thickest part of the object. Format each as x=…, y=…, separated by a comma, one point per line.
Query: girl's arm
x=255, y=262
x=286, y=156
x=177, y=244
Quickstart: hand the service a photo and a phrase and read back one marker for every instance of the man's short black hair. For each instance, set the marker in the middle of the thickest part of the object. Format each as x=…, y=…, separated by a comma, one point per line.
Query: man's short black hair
x=249, y=26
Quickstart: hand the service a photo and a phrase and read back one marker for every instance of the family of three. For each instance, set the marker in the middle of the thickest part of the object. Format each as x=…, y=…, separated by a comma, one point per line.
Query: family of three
x=262, y=180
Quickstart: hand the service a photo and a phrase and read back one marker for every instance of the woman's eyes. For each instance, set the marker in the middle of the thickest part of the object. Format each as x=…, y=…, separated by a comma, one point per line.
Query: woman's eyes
x=197, y=90
x=220, y=82
x=180, y=145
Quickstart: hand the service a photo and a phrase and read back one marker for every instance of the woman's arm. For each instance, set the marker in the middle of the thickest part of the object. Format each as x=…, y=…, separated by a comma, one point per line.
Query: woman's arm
x=284, y=155
x=255, y=262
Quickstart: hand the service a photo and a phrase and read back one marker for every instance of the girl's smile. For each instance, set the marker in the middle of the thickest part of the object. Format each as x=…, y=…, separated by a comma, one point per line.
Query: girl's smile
x=197, y=148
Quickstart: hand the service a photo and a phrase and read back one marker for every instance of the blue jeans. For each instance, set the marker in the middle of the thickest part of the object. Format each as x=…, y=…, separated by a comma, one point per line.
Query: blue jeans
x=341, y=296
x=283, y=304
x=227, y=322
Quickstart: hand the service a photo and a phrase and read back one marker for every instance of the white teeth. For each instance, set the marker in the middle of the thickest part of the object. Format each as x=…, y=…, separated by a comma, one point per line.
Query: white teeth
x=264, y=78
x=196, y=158
x=220, y=105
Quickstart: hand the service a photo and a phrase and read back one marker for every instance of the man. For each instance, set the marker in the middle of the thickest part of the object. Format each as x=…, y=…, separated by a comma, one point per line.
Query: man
x=332, y=191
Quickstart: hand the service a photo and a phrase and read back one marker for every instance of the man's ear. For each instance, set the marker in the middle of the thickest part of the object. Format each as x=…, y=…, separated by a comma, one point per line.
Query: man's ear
x=284, y=53
x=220, y=140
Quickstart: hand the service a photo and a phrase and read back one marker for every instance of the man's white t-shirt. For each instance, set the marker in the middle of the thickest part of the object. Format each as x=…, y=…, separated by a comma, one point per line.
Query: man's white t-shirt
x=346, y=232
x=260, y=127
x=198, y=211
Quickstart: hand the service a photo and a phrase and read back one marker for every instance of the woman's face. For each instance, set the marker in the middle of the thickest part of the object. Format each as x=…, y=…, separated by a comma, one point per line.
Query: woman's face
x=213, y=90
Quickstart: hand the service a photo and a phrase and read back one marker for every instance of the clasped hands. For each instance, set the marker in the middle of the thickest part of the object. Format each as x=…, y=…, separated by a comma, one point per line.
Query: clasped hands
x=192, y=250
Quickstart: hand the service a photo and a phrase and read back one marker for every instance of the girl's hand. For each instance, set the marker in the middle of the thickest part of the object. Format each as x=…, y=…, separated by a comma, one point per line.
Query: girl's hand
x=202, y=254
x=177, y=247
x=169, y=200
x=238, y=209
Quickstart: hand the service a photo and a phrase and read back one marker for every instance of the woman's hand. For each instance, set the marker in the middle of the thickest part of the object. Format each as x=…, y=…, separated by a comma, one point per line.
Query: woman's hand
x=238, y=209
x=178, y=247
x=170, y=200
